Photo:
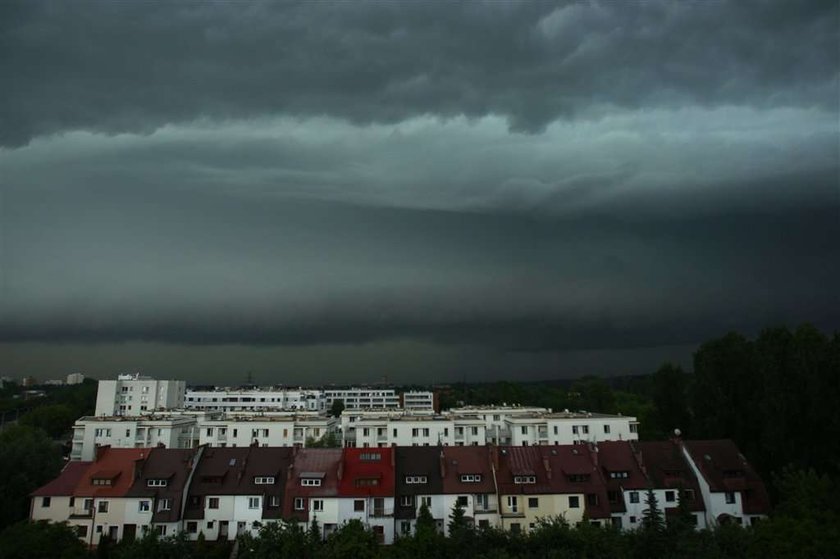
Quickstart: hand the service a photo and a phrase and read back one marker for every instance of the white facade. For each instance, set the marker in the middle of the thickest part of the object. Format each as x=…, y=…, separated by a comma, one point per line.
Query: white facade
x=418, y=401
x=566, y=428
x=363, y=398
x=171, y=431
x=264, y=430
x=255, y=400
x=133, y=395
x=413, y=430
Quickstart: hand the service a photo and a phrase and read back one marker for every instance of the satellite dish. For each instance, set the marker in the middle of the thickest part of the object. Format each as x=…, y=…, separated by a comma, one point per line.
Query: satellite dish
x=677, y=432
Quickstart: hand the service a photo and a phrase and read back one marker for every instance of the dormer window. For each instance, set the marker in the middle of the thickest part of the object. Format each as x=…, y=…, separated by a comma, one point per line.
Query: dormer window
x=579, y=478
x=101, y=481
x=370, y=456
x=416, y=479
x=619, y=475
x=157, y=483
x=367, y=482
x=470, y=478
x=264, y=480
x=310, y=482
x=733, y=474
x=524, y=479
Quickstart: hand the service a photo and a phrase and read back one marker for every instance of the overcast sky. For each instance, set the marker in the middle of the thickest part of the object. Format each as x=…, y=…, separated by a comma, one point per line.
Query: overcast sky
x=417, y=191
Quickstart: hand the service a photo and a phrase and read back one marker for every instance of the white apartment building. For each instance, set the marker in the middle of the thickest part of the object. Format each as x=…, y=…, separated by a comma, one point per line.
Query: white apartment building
x=255, y=400
x=169, y=430
x=415, y=400
x=75, y=378
x=264, y=430
x=565, y=428
x=363, y=398
x=134, y=395
x=371, y=431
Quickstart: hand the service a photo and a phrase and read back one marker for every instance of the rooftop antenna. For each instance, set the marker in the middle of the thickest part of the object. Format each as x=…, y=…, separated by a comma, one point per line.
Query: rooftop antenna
x=249, y=380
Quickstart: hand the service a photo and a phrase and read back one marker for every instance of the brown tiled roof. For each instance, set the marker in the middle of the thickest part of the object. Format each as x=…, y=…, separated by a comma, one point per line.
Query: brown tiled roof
x=725, y=469
x=65, y=483
x=572, y=469
x=521, y=461
x=667, y=468
x=461, y=460
x=324, y=462
x=171, y=464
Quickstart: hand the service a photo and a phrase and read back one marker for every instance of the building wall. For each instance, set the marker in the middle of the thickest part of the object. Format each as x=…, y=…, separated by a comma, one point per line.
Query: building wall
x=132, y=395
x=59, y=509
x=548, y=506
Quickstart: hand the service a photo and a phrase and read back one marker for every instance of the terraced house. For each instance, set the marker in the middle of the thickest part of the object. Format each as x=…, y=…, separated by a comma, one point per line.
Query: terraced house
x=223, y=492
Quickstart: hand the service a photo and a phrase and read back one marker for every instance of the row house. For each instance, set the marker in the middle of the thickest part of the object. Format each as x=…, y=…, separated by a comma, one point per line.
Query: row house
x=222, y=492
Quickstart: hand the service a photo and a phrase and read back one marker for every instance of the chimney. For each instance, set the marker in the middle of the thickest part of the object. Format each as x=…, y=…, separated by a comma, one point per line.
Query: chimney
x=101, y=450
x=442, y=464
x=547, y=466
x=340, y=472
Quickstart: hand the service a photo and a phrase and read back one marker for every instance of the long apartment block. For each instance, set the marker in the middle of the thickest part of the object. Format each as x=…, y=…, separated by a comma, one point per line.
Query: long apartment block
x=222, y=492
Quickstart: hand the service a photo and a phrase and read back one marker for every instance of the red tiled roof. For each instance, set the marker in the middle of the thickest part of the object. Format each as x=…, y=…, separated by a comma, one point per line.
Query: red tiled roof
x=568, y=461
x=116, y=464
x=661, y=460
x=521, y=461
x=357, y=471
x=65, y=483
x=326, y=461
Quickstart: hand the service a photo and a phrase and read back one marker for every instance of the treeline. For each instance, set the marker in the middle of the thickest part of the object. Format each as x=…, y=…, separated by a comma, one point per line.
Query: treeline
x=55, y=412
x=806, y=524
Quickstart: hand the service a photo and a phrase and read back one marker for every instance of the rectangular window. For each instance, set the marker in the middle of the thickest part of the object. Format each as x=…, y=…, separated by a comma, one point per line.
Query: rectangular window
x=426, y=501
x=405, y=527
x=607, y=431
x=574, y=502
x=670, y=496
x=156, y=483
x=213, y=503
x=359, y=505
x=415, y=432
x=406, y=501
x=299, y=503
x=274, y=501
x=513, y=504
x=192, y=527
x=164, y=504
x=730, y=498
x=253, y=502
x=45, y=502
x=264, y=480
x=634, y=496
x=317, y=505
x=462, y=500
x=102, y=507
x=585, y=429
x=574, y=429
x=425, y=432
x=524, y=429
x=310, y=482
x=634, y=427
x=470, y=478
x=475, y=430
x=533, y=503
x=144, y=506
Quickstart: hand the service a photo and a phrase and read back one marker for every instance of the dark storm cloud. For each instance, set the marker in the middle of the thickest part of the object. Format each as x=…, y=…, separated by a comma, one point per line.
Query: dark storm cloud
x=476, y=188
x=133, y=67
x=221, y=270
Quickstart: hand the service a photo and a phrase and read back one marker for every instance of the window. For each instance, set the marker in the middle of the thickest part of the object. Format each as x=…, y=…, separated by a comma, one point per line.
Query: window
x=415, y=432
x=470, y=478
x=619, y=475
x=670, y=496
x=310, y=482
x=425, y=432
x=634, y=427
x=426, y=501
x=632, y=520
x=102, y=507
x=81, y=531
x=406, y=501
x=88, y=504
x=585, y=429
x=164, y=504
x=579, y=478
x=264, y=480
x=481, y=501
x=574, y=429
x=475, y=430
x=367, y=482
x=524, y=429
x=317, y=505
x=209, y=431
x=607, y=431
x=192, y=527
x=415, y=479
x=405, y=527
x=634, y=496
x=299, y=503
x=213, y=503
x=574, y=502
x=144, y=506
x=592, y=498
x=730, y=498
x=359, y=505
x=555, y=429
x=524, y=479
x=161, y=529
x=253, y=502
x=462, y=500
x=533, y=503
x=45, y=502
x=365, y=431
x=513, y=504
x=370, y=456
x=273, y=501
x=157, y=483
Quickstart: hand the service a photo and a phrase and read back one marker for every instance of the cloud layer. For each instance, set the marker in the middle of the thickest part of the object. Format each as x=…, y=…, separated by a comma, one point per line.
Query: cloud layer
x=471, y=183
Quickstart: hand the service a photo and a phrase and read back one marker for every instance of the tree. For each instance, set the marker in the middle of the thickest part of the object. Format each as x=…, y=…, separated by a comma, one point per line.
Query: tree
x=425, y=522
x=351, y=540
x=28, y=459
x=337, y=407
x=671, y=399
x=56, y=420
x=460, y=530
x=330, y=440
x=37, y=540
x=652, y=519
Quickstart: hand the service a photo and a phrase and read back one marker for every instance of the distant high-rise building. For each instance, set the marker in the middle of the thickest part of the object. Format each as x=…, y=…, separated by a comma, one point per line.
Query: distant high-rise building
x=75, y=378
x=134, y=394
